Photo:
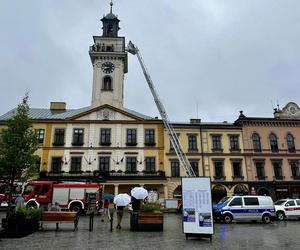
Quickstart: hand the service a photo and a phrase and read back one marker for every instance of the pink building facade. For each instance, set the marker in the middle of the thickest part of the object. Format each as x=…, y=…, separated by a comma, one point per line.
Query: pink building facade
x=272, y=152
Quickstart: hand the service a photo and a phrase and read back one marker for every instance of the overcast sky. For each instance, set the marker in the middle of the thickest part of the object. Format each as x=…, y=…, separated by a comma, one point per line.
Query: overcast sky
x=220, y=56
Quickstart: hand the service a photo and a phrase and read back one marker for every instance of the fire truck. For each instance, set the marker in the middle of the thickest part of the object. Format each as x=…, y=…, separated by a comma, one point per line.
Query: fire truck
x=73, y=196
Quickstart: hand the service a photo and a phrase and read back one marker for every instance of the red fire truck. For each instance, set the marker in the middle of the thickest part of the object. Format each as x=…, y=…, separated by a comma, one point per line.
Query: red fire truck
x=73, y=196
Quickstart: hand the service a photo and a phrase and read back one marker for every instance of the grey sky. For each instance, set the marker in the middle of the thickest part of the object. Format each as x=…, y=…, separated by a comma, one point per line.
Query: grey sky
x=222, y=55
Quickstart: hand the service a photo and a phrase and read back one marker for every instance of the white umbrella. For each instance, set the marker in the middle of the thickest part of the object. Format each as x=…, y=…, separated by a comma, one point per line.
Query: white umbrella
x=122, y=199
x=139, y=193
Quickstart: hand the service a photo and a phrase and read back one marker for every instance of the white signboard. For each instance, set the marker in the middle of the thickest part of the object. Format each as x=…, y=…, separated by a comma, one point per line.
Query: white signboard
x=197, y=213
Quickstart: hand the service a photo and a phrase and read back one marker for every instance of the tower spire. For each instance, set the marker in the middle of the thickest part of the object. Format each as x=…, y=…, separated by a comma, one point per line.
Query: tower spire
x=111, y=5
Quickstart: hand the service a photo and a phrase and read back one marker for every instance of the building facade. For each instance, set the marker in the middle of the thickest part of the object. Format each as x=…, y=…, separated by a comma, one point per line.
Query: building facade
x=272, y=152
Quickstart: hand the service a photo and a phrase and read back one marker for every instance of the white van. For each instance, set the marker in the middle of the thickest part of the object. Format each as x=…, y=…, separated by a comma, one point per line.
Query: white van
x=248, y=207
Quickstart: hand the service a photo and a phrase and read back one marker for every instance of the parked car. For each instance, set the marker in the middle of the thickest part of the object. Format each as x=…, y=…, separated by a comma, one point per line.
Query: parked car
x=248, y=207
x=287, y=208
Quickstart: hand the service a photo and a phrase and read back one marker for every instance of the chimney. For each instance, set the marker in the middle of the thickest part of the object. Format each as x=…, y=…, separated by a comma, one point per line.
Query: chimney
x=195, y=121
x=58, y=106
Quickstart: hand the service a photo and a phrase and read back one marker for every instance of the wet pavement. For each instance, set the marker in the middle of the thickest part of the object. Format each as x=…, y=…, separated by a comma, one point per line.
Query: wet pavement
x=277, y=235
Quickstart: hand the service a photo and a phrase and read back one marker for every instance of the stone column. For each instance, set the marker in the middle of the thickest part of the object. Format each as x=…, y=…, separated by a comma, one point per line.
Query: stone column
x=166, y=191
x=116, y=189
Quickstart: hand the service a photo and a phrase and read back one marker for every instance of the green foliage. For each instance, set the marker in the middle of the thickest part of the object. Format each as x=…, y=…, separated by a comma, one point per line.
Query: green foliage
x=150, y=207
x=18, y=142
x=25, y=212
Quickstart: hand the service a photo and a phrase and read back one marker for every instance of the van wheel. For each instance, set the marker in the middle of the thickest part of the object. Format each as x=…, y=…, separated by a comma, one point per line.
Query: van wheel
x=76, y=207
x=31, y=204
x=227, y=218
x=280, y=216
x=266, y=219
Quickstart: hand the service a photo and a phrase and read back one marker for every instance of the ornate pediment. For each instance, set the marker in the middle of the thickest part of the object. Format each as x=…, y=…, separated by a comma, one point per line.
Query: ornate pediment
x=290, y=111
x=108, y=113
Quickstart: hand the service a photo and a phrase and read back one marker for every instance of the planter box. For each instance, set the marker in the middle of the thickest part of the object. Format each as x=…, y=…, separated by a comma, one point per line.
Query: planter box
x=146, y=221
x=19, y=227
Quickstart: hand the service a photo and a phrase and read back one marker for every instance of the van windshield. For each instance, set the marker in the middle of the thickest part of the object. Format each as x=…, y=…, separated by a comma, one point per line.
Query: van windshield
x=279, y=202
x=223, y=200
x=28, y=189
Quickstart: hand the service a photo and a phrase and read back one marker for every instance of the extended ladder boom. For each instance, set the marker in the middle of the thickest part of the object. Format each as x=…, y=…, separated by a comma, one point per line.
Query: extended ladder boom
x=131, y=48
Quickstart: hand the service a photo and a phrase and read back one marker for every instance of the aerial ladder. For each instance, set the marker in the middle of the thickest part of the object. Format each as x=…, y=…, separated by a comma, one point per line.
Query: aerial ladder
x=184, y=163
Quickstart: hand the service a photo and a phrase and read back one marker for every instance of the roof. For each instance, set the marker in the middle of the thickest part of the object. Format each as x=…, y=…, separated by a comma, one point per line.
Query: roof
x=48, y=114
x=111, y=16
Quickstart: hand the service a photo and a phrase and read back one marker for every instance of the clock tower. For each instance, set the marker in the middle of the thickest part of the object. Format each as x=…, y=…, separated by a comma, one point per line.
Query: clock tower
x=109, y=60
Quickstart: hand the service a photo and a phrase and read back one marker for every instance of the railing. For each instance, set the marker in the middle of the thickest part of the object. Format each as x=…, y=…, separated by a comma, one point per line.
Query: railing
x=101, y=174
x=106, y=48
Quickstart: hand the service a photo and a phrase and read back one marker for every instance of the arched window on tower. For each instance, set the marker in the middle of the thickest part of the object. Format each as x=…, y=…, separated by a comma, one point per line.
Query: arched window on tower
x=107, y=83
x=256, y=142
x=273, y=142
x=290, y=143
x=110, y=29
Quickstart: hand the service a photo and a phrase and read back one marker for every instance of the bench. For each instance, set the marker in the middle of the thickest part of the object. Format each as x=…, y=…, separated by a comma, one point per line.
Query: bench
x=59, y=217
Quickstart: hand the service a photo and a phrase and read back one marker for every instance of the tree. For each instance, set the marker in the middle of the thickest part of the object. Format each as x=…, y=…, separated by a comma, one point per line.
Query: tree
x=18, y=142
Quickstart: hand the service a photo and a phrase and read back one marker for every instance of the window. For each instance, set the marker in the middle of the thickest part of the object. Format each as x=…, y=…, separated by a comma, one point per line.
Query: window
x=237, y=170
x=294, y=168
x=234, y=143
x=59, y=137
x=43, y=189
x=216, y=141
x=236, y=202
x=109, y=29
x=171, y=146
x=150, y=164
x=41, y=135
x=273, y=142
x=56, y=164
x=290, y=143
x=290, y=203
x=105, y=136
x=131, y=137
x=256, y=142
x=251, y=201
x=194, y=165
x=77, y=137
x=104, y=164
x=131, y=164
x=38, y=163
x=218, y=169
x=149, y=137
x=107, y=83
x=76, y=164
x=277, y=169
x=260, y=170
x=175, y=171
x=298, y=202
x=192, y=143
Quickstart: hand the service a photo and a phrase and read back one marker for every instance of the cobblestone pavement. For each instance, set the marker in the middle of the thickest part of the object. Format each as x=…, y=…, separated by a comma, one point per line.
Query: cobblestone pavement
x=278, y=235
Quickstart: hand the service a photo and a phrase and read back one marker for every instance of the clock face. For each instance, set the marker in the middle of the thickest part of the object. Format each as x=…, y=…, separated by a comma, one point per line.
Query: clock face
x=107, y=67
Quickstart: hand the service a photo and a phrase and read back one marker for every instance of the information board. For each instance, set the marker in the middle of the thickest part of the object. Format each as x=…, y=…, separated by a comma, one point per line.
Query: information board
x=197, y=216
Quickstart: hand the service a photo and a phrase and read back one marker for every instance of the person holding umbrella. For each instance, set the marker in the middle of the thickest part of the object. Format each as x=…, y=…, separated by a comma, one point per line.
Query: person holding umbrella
x=138, y=194
x=121, y=200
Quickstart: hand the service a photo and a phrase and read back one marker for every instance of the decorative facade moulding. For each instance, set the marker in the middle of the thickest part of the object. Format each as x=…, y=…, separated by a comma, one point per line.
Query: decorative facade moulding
x=290, y=111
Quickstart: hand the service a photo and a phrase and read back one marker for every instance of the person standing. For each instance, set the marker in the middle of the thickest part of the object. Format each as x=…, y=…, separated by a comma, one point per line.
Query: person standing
x=120, y=212
x=19, y=201
x=135, y=204
x=105, y=207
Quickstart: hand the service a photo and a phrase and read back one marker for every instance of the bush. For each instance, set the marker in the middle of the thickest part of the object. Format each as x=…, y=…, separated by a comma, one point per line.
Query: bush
x=24, y=212
x=150, y=207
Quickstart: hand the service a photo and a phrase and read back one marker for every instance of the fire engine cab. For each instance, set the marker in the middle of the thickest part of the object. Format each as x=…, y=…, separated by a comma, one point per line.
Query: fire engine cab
x=73, y=196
